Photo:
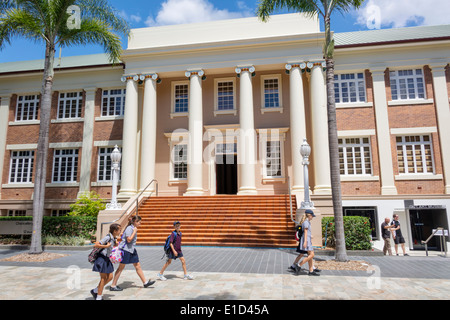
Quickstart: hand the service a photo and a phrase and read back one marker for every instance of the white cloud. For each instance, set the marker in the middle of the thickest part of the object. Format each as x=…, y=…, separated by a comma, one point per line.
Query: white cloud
x=191, y=11
x=130, y=18
x=402, y=13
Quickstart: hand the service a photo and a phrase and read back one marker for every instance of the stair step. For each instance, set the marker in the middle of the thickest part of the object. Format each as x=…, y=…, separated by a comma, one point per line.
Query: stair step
x=223, y=220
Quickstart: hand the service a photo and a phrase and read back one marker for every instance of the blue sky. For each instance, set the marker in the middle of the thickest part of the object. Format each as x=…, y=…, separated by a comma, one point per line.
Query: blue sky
x=374, y=14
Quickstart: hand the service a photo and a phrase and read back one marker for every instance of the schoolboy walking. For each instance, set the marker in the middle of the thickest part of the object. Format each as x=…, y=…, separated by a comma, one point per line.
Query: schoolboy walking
x=175, y=252
x=130, y=255
x=102, y=264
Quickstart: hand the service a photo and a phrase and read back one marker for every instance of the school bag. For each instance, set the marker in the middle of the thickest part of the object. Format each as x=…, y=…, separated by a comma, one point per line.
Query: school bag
x=167, y=243
x=298, y=232
x=95, y=252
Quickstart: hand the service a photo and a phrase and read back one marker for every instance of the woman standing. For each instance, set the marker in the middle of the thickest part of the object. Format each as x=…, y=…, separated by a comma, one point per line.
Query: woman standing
x=102, y=264
x=130, y=255
x=306, y=243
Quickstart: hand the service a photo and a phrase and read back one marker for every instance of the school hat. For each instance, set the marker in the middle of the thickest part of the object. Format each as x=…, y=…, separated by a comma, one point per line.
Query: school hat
x=308, y=211
x=176, y=222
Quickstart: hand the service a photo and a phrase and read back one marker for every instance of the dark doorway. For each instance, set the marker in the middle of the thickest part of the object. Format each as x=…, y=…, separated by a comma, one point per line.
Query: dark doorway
x=226, y=174
x=423, y=222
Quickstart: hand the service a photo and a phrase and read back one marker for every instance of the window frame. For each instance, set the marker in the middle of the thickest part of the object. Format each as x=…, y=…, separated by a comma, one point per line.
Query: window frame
x=28, y=161
x=75, y=163
x=217, y=109
x=108, y=97
x=264, y=107
x=420, y=143
x=67, y=104
x=173, y=161
x=339, y=81
x=108, y=165
x=361, y=145
x=19, y=117
x=173, y=112
x=395, y=78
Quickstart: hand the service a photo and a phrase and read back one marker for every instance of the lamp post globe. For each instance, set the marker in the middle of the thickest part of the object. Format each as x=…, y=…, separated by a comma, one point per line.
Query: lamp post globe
x=115, y=168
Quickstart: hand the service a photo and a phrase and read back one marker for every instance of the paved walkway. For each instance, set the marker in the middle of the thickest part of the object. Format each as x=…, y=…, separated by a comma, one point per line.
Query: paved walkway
x=229, y=274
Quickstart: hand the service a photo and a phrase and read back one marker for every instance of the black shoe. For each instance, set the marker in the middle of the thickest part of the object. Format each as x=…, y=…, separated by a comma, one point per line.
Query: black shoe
x=94, y=294
x=148, y=284
x=317, y=270
x=116, y=288
x=313, y=273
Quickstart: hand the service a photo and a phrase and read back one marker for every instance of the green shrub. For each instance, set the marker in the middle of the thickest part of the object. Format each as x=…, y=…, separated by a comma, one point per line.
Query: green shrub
x=87, y=204
x=357, y=232
x=63, y=241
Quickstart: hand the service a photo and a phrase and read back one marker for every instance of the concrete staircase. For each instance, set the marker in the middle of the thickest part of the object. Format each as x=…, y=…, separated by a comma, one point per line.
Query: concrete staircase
x=222, y=220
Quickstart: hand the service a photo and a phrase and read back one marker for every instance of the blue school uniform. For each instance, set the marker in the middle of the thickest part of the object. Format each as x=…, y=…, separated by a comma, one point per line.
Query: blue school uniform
x=130, y=254
x=102, y=264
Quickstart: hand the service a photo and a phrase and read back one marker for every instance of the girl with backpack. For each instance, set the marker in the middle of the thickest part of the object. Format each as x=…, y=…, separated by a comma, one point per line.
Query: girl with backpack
x=102, y=264
x=130, y=255
x=306, y=243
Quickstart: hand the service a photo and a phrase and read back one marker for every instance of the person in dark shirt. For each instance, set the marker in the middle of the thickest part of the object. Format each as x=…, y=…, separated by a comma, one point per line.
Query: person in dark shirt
x=175, y=246
x=397, y=235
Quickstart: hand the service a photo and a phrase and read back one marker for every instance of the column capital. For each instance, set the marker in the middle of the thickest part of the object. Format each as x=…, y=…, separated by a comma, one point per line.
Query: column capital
x=152, y=76
x=300, y=65
x=250, y=69
x=190, y=73
x=133, y=77
x=438, y=66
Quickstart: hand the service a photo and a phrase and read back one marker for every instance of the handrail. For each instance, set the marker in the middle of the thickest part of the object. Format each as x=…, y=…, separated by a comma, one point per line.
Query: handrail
x=137, y=204
x=443, y=244
x=290, y=199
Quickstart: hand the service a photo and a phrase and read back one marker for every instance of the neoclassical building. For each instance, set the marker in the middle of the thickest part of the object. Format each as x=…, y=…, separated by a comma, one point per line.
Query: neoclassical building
x=222, y=107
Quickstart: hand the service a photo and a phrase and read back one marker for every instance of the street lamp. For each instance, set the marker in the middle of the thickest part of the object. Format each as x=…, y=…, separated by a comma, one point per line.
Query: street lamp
x=115, y=159
x=305, y=151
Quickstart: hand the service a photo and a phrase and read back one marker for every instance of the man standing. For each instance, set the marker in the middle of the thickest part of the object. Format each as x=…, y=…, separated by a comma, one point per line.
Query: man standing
x=397, y=235
x=386, y=234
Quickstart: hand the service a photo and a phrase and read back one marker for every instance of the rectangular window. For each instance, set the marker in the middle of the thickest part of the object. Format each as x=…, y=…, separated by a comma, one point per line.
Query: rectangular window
x=225, y=95
x=181, y=98
x=17, y=213
x=65, y=165
x=104, y=164
x=70, y=105
x=414, y=155
x=355, y=156
x=21, y=167
x=113, y=102
x=350, y=88
x=273, y=159
x=27, y=108
x=407, y=84
x=59, y=212
x=271, y=92
x=180, y=161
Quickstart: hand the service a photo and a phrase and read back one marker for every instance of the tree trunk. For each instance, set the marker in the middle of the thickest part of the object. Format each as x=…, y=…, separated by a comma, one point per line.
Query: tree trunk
x=341, y=252
x=42, y=150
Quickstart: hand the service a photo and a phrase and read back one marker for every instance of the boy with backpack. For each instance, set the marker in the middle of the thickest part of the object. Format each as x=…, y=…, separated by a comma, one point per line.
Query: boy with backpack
x=173, y=251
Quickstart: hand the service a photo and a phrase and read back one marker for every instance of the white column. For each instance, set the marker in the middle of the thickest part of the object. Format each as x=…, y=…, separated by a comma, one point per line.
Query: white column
x=88, y=141
x=4, y=116
x=443, y=117
x=247, y=136
x=195, y=144
x=297, y=123
x=148, y=139
x=128, y=186
x=320, y=149
x=383, y=134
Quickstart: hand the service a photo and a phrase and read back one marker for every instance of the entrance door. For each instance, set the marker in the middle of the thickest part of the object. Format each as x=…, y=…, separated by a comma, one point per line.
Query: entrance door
x=423, y=222
x=226, y=169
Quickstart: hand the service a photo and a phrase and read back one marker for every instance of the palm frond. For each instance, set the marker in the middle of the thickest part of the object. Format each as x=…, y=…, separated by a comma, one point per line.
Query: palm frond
x=309, y=7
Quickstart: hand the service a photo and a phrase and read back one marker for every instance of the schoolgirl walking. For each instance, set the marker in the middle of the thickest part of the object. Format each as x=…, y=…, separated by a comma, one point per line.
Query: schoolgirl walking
x=130, y=255
x=102, y=263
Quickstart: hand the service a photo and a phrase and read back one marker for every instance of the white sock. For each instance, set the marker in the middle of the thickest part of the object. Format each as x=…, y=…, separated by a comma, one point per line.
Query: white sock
x=99, y=297
x=96, y=290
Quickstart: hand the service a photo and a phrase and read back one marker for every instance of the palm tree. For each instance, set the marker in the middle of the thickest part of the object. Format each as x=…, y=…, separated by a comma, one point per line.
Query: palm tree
x=324, y=8
x=55, y=23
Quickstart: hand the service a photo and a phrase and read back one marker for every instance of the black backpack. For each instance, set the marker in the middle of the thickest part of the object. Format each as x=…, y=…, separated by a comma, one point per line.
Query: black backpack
x=298, y=232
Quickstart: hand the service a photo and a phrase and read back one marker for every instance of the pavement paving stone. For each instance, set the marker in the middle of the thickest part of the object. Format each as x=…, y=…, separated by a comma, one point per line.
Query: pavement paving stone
x=228, y=274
